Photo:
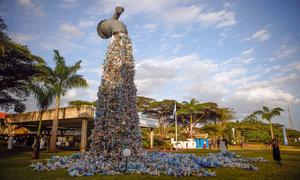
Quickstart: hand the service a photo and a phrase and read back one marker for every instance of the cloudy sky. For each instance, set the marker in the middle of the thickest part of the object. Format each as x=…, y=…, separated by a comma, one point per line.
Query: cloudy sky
x=240, y=53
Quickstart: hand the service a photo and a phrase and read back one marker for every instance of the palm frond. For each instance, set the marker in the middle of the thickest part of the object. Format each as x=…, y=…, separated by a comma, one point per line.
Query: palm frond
x=266, y=109
x=276, y=112
x=277, y=109
x=74, y=68
x=44, y=95
x=259, y=112
x=75, y=81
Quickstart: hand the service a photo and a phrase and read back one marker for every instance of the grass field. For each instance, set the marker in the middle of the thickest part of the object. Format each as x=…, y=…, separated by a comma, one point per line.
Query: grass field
x=16, y=167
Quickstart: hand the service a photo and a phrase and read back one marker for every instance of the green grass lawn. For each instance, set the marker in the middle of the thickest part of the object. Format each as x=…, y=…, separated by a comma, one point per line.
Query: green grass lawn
x=16, y=167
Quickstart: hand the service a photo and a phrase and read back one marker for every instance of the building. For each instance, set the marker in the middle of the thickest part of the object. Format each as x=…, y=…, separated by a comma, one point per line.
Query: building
x=76, y=121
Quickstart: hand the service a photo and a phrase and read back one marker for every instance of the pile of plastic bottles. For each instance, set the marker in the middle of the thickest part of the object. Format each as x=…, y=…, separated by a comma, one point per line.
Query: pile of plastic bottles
x=151, y=163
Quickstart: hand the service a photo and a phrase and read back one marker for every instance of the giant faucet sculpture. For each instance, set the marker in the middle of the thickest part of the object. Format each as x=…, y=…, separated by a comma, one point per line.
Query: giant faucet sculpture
x=116, y=122
x=109, y=27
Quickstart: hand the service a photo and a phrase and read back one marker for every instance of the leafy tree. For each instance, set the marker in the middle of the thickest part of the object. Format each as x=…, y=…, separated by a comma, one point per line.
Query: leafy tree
x=190, y=110
x=79, y=103
x=162, y=110
x=143, y=103
x=17, y=69
x=253, y=130
x=61, y=79
x=194, y=112
x=292, y=134
x=267, y=114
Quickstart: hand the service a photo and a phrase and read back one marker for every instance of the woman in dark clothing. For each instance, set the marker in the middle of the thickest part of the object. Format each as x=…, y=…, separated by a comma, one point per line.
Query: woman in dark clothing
x=276, y=151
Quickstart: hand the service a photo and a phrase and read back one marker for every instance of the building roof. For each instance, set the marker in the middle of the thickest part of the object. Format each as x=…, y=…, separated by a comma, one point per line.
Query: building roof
x=70, y=117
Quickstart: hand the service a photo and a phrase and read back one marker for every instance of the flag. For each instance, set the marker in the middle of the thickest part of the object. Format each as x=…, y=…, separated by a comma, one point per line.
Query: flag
x=174, y=111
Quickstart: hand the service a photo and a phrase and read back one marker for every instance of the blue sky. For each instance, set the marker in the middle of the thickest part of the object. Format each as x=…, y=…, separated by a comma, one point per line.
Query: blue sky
x=240, y=54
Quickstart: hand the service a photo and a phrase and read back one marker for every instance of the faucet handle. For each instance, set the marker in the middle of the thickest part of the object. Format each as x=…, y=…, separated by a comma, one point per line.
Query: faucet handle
x=118, y=11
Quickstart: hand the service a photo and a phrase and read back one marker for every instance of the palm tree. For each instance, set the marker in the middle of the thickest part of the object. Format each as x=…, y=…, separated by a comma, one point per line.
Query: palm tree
x=61, y=79
x=268, y=114
x=44, y=96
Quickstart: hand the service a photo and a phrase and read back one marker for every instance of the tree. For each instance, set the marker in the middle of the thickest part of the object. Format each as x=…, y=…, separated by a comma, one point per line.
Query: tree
x=143, y=103
x=268, y=114
x=213, y=130
x=224, y=115
x=163, y=110
x=219, y=116
x=44, y=95
x=17, y=69
x=80, y=103
x=61, y=79
x=194, y=111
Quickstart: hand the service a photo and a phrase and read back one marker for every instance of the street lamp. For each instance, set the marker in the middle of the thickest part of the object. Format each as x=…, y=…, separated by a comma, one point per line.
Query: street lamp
x=126, y=154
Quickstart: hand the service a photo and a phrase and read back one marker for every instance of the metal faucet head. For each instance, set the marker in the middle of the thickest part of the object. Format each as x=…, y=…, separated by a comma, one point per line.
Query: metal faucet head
x=106, y=28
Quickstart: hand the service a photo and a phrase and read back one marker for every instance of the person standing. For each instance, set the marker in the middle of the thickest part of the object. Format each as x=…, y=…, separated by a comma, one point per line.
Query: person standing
x=225, y=143
x=223, y=146
x=218, y=143
x=276, y=151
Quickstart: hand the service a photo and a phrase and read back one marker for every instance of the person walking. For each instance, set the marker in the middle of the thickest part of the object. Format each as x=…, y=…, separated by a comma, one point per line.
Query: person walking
x=276, y=151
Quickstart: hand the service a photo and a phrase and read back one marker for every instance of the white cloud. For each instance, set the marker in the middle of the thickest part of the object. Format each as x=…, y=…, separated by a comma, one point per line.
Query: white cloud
x=285, y=51
x=261, y=35
x=293, y=77
x=22, y=38
x=179, y=15
x=87, y=23
x=228, y=76
x=69, y=4
x=31, y=7
x=149, y=27
x=177, y=48
x=245, y=57
x=248, y=51
x=170, y=12
x=69, y=30
x=67, y=39
x=153, y=74
x=235, y=86
x=264, y=95
x=221, y=18
x=93, y=39
x=297, y=66
x=65, y=45
x=88, y=94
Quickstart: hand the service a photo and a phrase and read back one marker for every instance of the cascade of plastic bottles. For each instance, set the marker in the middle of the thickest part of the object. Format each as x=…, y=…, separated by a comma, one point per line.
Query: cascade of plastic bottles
x=117, y=122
